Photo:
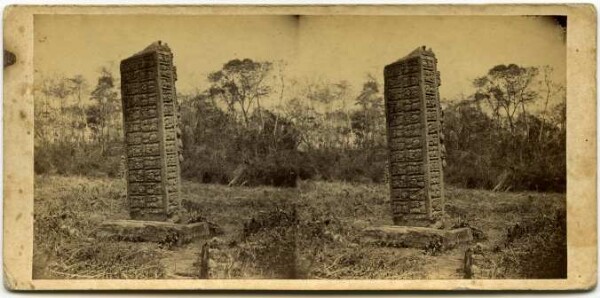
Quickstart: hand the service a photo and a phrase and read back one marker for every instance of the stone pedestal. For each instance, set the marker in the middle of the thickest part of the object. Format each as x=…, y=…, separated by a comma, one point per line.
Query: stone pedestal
x=416, y=237
x=154, y=231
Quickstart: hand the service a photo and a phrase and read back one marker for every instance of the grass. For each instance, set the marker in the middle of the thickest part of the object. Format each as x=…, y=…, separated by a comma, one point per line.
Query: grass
x=67, y=211
x=312, y=231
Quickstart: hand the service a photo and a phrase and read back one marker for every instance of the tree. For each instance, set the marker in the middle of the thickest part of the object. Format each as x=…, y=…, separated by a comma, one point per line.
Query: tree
x=241, y=83
x=59, y=89
x=368, y=121
x=507, y=88
x=100, y=115
x=78, y=84
x=552, y=90
x=304, y=118
x=55, y=89
x=335, y=125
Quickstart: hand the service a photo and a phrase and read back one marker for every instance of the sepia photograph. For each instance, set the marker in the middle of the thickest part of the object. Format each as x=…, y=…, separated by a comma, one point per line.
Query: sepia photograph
x=285, y=146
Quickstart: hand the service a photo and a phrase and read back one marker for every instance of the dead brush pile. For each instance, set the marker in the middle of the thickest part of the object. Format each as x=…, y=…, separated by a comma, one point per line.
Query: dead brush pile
x=370, y=262
x=270, y=244
x=537, y=247
x=65, y=220
x=534, y=248
x=282, y=243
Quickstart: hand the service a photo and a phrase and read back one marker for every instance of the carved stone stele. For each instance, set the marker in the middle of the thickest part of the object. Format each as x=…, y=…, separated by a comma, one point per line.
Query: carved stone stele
x=150, y=123
x=414, y=134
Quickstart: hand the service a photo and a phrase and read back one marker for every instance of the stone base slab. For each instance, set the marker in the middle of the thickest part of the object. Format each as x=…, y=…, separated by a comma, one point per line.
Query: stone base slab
x=154, y=231
x=416, y=237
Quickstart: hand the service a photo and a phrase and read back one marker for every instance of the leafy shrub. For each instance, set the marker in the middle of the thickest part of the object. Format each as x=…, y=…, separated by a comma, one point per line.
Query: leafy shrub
x=357, y=165
x=77, y=159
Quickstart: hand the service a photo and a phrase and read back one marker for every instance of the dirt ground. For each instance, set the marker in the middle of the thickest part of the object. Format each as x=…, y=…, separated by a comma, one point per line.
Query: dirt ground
x=312, y=231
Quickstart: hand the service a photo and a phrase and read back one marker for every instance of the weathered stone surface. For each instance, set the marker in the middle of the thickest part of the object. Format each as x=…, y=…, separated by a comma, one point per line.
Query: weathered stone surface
x=416, y=237
x=150, y=117
x=154, y=231
x=414, y=131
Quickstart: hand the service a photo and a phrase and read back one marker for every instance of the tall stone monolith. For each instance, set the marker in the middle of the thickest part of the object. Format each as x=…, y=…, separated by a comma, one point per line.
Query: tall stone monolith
x=414, y=131
x=150, y=123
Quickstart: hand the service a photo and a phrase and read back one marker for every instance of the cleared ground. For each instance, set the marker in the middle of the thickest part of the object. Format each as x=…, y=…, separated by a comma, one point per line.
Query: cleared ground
x=312, y=231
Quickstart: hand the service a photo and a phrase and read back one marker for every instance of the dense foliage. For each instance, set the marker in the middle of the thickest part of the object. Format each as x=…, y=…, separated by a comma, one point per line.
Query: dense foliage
x=254, y=126
x=494, y=142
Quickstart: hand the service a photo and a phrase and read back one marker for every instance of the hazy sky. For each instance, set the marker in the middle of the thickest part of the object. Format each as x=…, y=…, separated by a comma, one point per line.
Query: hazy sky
x=326, y=47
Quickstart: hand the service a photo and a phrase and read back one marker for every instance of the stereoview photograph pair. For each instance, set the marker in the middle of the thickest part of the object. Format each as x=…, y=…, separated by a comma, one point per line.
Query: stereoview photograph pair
x=300, y=147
